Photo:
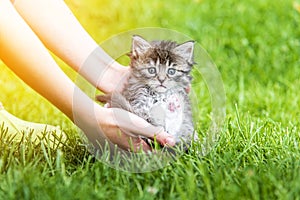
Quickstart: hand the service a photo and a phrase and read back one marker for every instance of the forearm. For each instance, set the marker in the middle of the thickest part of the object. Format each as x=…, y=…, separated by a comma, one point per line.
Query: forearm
x=61, y=33
x=22, y=51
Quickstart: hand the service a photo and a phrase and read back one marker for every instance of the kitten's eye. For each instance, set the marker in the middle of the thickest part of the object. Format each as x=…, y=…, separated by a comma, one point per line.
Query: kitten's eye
x=152, y=70
x=171, y=71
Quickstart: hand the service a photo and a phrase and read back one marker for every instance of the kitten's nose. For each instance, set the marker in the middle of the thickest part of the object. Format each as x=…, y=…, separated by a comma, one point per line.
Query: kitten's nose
x=161, y=79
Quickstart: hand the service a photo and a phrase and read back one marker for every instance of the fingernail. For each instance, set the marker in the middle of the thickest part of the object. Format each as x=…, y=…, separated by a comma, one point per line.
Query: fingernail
x=170, y=141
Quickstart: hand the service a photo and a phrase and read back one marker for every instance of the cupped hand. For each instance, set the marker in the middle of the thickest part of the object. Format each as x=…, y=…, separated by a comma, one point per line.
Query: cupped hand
x=124, y=129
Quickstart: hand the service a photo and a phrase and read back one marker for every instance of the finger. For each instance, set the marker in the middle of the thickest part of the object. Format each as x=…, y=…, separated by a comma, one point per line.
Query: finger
x=140, y=144
x=131, y=123
x=165, y=138
x=134, y=144
x=128, y=143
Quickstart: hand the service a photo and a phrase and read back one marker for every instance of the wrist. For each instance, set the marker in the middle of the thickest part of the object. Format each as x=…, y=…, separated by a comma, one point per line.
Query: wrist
x=98, y=69
x=86, y=116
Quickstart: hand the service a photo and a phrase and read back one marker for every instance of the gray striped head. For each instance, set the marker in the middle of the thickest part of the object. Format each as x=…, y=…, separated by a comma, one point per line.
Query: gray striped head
x=161, y=65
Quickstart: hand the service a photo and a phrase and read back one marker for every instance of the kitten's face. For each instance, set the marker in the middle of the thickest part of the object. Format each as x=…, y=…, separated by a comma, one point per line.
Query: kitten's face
x=161, y=77
x=161, y=65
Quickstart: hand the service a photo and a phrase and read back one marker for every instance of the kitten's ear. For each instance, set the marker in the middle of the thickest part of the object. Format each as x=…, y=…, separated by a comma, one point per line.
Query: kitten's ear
x=139, y=45
x=186, y=51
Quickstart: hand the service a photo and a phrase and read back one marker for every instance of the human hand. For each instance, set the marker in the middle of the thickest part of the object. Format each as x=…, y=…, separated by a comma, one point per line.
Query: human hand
x=125, y=129
x=114, y=78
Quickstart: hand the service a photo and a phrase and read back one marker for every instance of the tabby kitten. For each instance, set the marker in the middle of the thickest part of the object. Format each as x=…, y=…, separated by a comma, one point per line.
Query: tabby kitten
x=157, y=86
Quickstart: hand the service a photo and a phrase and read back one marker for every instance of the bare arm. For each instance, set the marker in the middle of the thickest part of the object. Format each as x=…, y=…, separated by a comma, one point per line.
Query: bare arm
x=61, y=33
x=25, y=54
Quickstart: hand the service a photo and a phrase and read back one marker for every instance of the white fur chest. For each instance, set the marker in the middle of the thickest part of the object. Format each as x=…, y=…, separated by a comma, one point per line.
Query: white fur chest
x=167, y=111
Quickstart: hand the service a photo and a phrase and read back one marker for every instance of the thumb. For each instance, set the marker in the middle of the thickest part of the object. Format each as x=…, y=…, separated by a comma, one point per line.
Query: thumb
x=134, y=125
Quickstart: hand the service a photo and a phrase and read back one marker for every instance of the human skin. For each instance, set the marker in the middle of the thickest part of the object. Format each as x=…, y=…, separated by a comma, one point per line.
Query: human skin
x=28, y=29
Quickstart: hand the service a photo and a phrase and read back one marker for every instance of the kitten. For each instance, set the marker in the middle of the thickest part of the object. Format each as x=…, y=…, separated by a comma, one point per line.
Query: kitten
x=157, y=86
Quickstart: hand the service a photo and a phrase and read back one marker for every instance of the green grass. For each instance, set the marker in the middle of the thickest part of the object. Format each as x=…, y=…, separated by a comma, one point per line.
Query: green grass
x=256, y=46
